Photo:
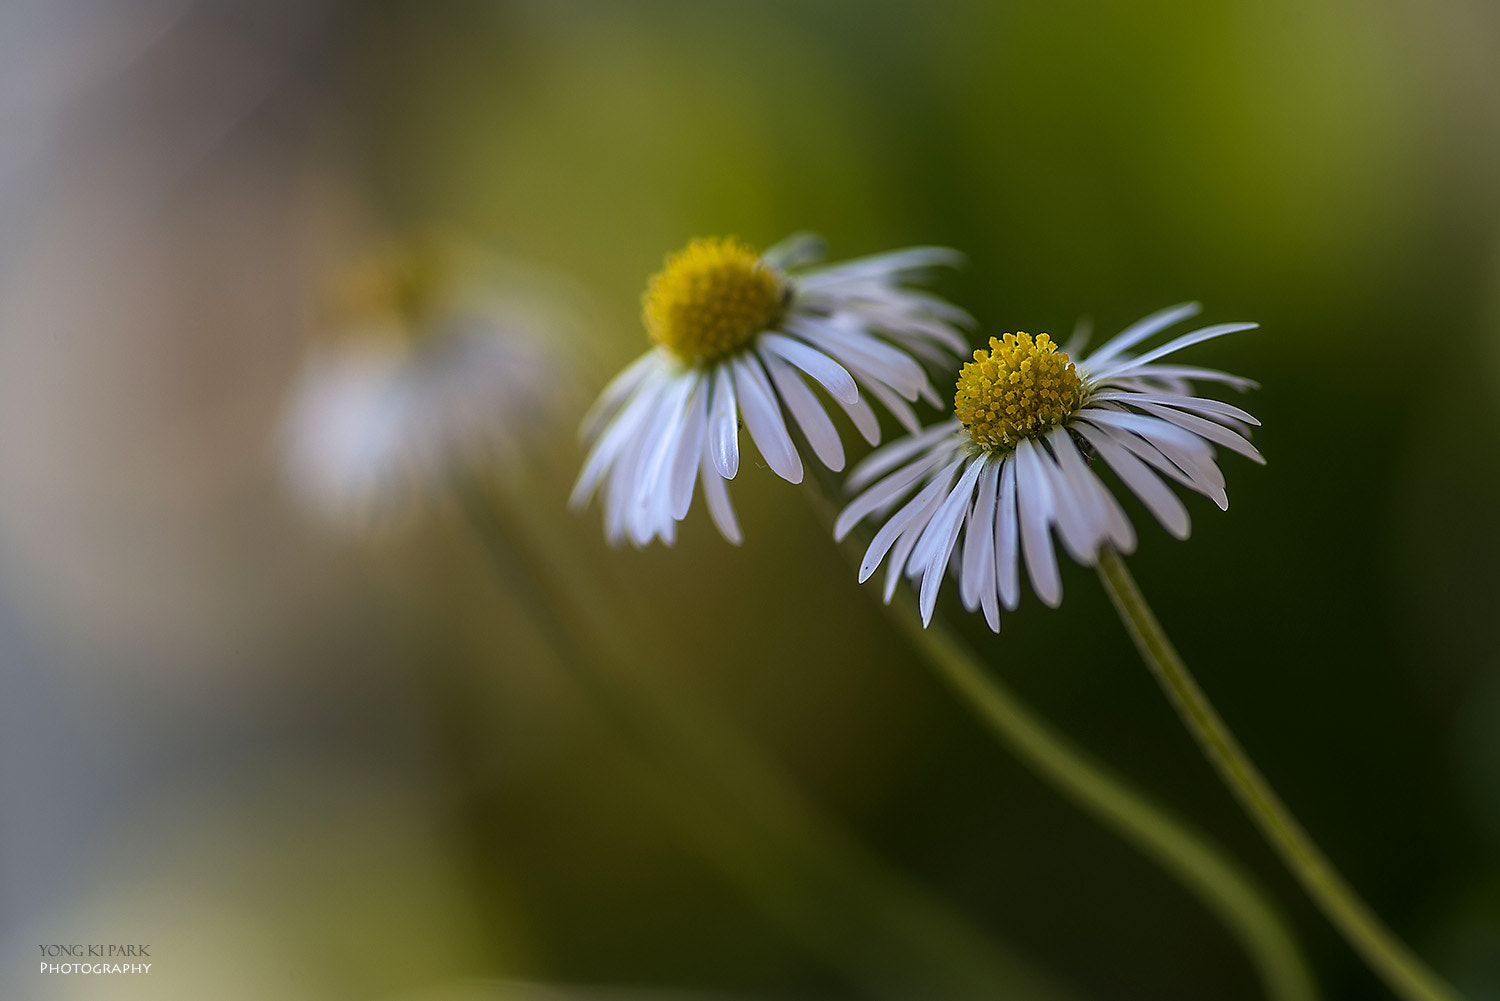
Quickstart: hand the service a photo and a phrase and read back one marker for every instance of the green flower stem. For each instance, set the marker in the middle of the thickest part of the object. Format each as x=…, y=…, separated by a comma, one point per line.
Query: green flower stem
x=1216, y=879
x=1403, y=972
x=882, y=931
x=1207, y=871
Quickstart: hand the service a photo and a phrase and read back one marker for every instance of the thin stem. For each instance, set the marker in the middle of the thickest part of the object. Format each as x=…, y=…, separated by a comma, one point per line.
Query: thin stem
x=1216, y=879
x=1207, y=871
x=884, y=932
x=1401, y=969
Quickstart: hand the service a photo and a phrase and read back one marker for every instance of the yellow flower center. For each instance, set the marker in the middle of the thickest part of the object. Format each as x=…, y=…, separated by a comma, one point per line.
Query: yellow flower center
x=1019, y=388
x=400, y=288
x=711, y=299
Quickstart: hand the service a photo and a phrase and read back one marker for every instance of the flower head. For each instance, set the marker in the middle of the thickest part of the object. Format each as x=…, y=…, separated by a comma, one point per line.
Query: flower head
x=736, y=336
x=983, y=493
x=421, y=369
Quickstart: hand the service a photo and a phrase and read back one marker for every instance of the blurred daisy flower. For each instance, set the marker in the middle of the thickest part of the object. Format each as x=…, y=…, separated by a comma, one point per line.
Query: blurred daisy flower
x=983, y=491
x=422, y=369
x=736, y=334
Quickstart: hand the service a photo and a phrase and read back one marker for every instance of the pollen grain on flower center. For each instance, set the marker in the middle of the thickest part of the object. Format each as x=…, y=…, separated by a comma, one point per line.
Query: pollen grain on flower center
x=711, y=299
x=1019, y=388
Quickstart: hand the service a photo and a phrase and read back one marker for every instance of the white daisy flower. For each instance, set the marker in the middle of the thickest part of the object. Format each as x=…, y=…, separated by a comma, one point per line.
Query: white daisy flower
x=736, y=334
x=425, y=372
x=983, y=492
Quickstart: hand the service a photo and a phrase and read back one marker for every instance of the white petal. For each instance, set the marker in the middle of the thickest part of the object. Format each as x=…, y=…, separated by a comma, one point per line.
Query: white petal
x=1108, y=371
x=1007, y=537
x=1197, y=464
x=1080, y=339
x=923, y=504
x=900, y=315
x=937, y=561
x=1196, y=374
x=763, y=419
x=1155, y=494
x=724, y=425
x=796, y=251
x=1072, y=509
x=931, y=549
x=1195, y=404
x=808, y=412
x=1142, y=329
x=654, y=495
x=896, y=566
x=1034, y=499
x=879, y=462
x=1109, y=518
x=935, y=550
x=689, y=452
x=1216, y=433
x=885, y=491
x=865, y=422
x=717, y=495
x=1170, y=438
x=856, y=349
x=1198, y=475
x=899, y=408
x=829, y=373
x=887, y=267
x=979, y=537
x=617, y=438
x=670, y=421
x=617, y=392
x=619, y=488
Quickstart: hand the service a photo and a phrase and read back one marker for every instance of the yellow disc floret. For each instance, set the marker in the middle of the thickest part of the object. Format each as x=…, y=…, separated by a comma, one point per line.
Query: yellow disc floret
x=711, y=299
x=1019, y=388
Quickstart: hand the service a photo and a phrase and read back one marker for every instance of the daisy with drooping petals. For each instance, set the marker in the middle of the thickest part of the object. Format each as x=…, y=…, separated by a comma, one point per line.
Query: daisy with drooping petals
x=736, y=335
x=422, y=368
x=1014, y=464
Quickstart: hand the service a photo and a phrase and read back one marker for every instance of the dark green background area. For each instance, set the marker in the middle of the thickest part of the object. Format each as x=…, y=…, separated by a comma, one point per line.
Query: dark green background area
x=1325, y=168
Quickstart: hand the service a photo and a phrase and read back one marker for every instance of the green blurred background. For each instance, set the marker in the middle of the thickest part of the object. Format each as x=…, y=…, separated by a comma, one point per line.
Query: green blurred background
x=309, y=767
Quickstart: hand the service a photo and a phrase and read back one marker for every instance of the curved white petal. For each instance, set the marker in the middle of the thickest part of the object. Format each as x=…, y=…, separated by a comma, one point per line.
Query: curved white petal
x=763, y=419
x=924, y=503
x=1035, y=502
x=1007, y=537
x=808, y=412
x=724, y=425
x=885, y=491
x=717, y=496
x=617, y=392
x=979, y=537
x=1158, y=498
x=1140, y=330
x=883, y=460
x=830, y=374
